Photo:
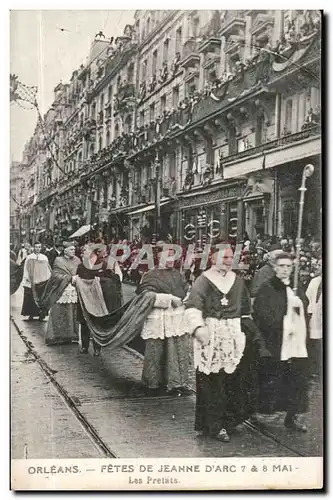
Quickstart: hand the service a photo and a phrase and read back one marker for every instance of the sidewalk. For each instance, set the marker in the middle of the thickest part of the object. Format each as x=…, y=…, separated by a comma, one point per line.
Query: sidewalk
x=42, y=426
x=109, y=394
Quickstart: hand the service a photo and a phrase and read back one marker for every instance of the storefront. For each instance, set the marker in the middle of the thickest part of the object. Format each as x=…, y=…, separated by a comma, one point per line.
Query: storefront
x=259, y=205
x=290, y=179
x=204, y=217
x=142, y=221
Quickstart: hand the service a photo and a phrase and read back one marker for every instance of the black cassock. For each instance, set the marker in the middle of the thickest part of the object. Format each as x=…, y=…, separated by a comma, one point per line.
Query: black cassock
x=283, y=385
x=224, y=400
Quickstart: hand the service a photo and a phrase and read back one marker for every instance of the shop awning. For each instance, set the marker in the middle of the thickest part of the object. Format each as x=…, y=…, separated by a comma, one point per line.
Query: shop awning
x=147, y=208
x=81, y=232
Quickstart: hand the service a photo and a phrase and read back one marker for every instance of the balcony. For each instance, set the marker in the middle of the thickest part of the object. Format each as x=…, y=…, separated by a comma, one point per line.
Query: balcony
x=233, y=23
x=212, y=45
x=281, y=141
x=190, y=54
x=193, y=75
x=261, y=26
x=125, y=99
x=212, y=62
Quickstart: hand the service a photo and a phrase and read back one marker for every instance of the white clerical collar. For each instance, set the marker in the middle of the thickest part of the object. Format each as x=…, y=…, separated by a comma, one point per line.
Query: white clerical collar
x=222, y=272
x=286, y=281
x=222, y=282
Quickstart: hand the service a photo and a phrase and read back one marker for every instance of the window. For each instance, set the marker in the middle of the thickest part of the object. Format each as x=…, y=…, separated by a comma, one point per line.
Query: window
x=241, y=145
x=137, y=29
x=191, y=86
x=194, y=27
x=100, y=143
x=232, y=140
x=144, y=70
x=108, y=138
x=142, y=118
x=128, y=124
x=287, y=20
x=175, y=96
x=116, y=130
x=163, y=103
x=110, y=93
x=172, y=165
x=148, y=25
x=101, y=102
x=289, y=113
x=105, y=194
x=154, y=65
x=166, y=50
x=152, y=112
x=260, y=136
x=130, y=73
x=179, y=40
x=93, y=111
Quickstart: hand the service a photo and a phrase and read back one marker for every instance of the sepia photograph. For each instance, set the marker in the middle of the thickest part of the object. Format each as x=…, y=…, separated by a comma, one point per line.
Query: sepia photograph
x=166, y=250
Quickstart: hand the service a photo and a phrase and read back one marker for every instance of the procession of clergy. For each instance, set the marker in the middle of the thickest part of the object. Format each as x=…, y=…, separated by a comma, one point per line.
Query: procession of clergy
x=250, y=353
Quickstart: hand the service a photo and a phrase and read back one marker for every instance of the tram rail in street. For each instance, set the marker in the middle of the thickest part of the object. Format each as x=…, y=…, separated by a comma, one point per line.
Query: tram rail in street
x=68, y=400
x=105, y=449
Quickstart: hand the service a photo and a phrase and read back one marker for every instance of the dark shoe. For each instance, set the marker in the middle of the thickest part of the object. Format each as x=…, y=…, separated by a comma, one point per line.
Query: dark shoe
x=173, y=392
x=41, y=318
x=223, y=436
x=84, y=350
x=97, y=353
x=294, y=424
x=184, y=391
x=154, y=392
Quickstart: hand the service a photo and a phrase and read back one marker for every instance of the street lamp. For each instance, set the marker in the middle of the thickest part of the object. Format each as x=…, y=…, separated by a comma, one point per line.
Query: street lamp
x=307, y=172
x=157, y=172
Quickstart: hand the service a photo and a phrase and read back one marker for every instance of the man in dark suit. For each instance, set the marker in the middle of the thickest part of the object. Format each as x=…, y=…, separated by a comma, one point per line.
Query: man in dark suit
x=54, y=252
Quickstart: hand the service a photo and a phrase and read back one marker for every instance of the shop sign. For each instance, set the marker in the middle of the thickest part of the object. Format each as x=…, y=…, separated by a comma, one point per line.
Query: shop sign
x=212, y=196
x=214, y=229
x=233, y=227
x=189, y=232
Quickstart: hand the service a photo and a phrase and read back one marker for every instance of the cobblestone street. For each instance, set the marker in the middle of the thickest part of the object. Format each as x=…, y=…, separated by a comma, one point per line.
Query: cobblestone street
x=68, y=405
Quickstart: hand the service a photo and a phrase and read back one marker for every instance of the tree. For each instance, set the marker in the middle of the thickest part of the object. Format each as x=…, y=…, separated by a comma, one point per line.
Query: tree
x=13, y=87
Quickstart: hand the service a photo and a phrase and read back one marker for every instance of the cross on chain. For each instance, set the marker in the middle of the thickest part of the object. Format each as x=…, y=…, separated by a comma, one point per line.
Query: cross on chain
x=224, y=301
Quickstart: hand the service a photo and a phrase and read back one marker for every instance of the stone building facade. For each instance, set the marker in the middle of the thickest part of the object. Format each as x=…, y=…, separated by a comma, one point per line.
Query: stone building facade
x=192, y=124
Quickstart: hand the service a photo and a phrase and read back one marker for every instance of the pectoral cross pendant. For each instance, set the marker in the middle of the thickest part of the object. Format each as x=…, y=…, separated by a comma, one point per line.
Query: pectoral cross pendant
x=224, y=301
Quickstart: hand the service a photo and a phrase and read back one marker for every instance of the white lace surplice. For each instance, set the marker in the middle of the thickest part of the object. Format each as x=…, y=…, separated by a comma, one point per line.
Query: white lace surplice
x=164, y=321
x=69, y=296
x=225, y=347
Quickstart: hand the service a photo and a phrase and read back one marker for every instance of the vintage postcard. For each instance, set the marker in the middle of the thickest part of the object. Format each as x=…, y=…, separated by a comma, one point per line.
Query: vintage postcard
x=165, y=250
